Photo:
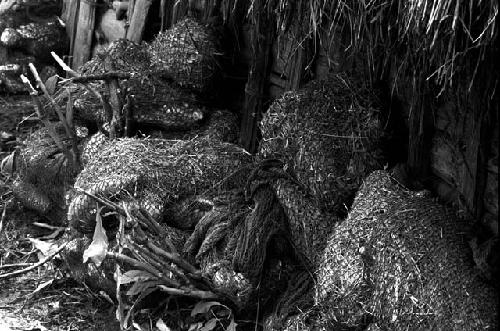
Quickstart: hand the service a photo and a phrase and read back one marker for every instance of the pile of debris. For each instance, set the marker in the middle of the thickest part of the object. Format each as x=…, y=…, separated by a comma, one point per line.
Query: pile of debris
x=197, y=218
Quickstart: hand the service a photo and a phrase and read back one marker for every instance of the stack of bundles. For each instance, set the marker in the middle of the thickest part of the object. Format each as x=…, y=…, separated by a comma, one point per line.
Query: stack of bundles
x=44, y=173
x=401, y=261
x=186, y=53
x=328, y=134
x=152, y=173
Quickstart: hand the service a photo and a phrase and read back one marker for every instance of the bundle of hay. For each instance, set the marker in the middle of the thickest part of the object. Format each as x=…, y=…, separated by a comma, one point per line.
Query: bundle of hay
x=43, y=173
x=152, y=173
x=307, y=226
x=401, y=261
x=152, y=100
x=125, y=55
x=186, y=52
x=328, y=134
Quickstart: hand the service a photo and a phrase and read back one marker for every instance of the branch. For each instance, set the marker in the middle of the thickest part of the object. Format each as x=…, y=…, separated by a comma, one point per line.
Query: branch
x=34, y=266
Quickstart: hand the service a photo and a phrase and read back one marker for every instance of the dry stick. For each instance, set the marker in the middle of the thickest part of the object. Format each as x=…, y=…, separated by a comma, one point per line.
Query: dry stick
x=155, y=259
x=105, y=105
x=49, y=125
x=174, y=258
x=143, y=218
x=115, y=100
x=144, y=266
x=120, y=309
x=34, y=266
x=4, y=213
x=105, y=76
x=198, y=294
x=15, y=265
x=67, y=128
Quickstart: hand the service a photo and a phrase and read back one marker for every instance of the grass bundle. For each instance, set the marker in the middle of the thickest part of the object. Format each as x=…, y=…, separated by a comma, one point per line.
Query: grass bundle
x=401, y=260
x=43, y=173
x=327, y=133
x=153, y=173
x=186, y=52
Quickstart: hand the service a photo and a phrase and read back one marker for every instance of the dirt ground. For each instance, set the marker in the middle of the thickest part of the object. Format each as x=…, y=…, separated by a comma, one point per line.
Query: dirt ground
x=44, y=298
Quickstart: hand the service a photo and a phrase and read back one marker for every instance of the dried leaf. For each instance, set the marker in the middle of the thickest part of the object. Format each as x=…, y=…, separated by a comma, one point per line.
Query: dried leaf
x=140, y=286
x=45, y=247
x=232, y=326
x=162, y=326
x=203, y=306
x=210, y=325
x=41, y=287
x=135, y=275
x=98, y=248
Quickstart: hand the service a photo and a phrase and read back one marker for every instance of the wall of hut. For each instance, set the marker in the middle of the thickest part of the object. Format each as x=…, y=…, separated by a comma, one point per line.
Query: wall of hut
x=448, y=143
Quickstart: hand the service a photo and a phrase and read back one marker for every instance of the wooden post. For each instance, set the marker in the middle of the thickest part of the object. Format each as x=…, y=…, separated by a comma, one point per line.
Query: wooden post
x=71, y=20
x=138, y=20
x=84, y=32
x=261, y=45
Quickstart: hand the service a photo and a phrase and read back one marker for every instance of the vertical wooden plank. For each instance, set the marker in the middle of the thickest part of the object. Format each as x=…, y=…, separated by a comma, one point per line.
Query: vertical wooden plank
x=138, y=20
x=71, y=20
x=261, y=45
x=82, y=48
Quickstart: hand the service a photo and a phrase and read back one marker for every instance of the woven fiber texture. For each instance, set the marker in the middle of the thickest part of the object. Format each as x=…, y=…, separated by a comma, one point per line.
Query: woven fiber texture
x=153, y=173
x=186, y=52
x=402, y=259
x=328, y=134
x=43, y=174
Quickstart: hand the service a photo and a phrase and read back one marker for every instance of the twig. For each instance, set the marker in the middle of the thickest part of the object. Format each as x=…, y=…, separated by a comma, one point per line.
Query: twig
x=148, y=255
x=106, y=76
x=120, y=308
x=174, y=258
x=15, y=265
x=36, y=265
x=116, y=124
x=4, y=214
x=198, y=294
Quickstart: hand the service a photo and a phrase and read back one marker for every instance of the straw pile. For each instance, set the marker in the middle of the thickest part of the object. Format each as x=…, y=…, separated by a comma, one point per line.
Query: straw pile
x=153, y=101
x=152, y=173
x=328, y=134
x=43, y=174
x=400, y=262
x=186, y=52
x=125, y=55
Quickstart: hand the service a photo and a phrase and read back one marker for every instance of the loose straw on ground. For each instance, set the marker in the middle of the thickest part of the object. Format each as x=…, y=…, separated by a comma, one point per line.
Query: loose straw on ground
x=34, y=266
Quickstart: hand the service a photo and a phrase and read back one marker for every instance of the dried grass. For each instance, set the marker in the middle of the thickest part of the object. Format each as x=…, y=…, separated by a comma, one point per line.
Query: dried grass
x=435, y=39
x=327, y=133
x=186, y=52
x=154, y=173
x=401, y=259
